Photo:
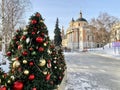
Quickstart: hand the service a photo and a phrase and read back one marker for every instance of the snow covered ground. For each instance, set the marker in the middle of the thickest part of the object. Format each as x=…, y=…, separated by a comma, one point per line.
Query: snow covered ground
x=82, y=80
x=107, y=51
x=6, y=66
x=79, y=77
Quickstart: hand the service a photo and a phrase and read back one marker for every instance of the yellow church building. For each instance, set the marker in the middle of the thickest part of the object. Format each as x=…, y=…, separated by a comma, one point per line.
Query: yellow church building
x=79, y=35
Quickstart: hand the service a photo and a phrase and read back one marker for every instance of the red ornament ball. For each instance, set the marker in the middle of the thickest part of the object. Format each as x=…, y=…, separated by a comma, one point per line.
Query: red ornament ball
x=18, y=85
x=30, y=48
x=42, y=34
x=46, y=42
x=47, y=77
x=19, y=47
x=49, y=61
x=5, y=75
x=35, y=29
x=19, y=69
x=17, y=58
x=25, y=53
x=38, y=14
x=14, y=38
x=12, y=70
x=3, y=88
x=8, y=53
x=17, y=30
x=41, y=49
x=31, y=63
x=60, y=78
x=49, y=65
x=52, y=46
x=33, y=33
x=39, y=39
x=51, y=82
x=33, y=21
x=23, y=37
x=34, y=88
x=17, y=42
x=31, y=77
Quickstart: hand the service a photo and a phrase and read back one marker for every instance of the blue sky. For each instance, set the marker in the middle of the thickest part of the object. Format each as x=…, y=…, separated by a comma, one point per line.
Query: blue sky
x=66, y=9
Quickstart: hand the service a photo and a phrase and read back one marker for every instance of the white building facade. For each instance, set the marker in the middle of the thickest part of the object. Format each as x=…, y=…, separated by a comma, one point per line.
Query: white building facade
x=79, y=36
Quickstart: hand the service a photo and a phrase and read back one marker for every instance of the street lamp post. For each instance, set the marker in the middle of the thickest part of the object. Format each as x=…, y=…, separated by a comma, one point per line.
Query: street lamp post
x=78, y=39
x=103, y=43
x=72, y=39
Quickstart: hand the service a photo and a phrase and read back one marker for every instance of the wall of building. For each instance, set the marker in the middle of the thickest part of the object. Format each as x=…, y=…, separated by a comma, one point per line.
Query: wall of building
x=77, y=35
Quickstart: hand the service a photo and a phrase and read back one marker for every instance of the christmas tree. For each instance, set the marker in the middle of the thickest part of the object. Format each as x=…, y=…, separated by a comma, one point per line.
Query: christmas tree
x=57, y=37
x=59, y=64
x=3, y=76
x=58, y=56
x=31, y=60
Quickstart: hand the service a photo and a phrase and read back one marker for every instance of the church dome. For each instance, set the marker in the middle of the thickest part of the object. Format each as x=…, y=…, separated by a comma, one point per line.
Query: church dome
x=81, y=18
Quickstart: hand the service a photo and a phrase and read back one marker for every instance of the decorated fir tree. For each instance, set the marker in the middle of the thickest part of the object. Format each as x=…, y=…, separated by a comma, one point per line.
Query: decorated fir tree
x=57, y=37
x=58, y=57
x=3, y=77
x=59, y=64
x=31, y=59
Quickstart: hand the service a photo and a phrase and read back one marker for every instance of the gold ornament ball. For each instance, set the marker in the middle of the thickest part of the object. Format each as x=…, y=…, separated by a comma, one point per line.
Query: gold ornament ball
x=0, y=80
x=8, y=81
x=59, y=68
x=24, y=61
x=25, y=28
x=26, y=72
x=49, y=51
x=45, y=72
x=42, y=62
x=13, y=59
x=58, y=86
x=16, y=64
x=55, y=58
x=2, y=76
x=12, y=77
x=54, y=61
x=55, y=67
x=45, y=44
x=25, y=32
x=41, y=20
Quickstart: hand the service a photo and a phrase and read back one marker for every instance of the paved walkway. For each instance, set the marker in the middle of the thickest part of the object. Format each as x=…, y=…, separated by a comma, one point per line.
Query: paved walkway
x=92, y=72
x=105, y=54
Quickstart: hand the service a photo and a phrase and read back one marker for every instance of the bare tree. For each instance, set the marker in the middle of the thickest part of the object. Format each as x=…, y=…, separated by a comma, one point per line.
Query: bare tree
x=14, y=11
x=11, y=15
x=104, y=23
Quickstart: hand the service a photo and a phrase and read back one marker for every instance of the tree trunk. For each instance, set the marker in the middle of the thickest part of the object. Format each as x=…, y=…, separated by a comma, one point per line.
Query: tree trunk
x=3, y=29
